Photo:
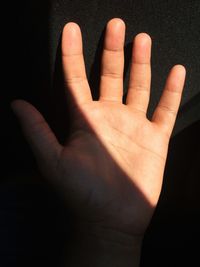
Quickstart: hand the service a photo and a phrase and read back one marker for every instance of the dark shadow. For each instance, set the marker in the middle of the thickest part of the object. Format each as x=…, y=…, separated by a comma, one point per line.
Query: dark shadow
x=31, y=215
x=28, y=77
x=173, y=235
x=94, y=76
x=189, y=105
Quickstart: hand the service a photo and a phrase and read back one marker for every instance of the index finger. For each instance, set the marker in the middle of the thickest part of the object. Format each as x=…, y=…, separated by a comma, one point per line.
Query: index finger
x=74, y=65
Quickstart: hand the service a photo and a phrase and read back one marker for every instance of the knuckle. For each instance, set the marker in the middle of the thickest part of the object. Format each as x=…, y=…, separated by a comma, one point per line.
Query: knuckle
x=112, y=75
x=173, y=90
x=75, y=79
x=168, y=109
x=113, y=51
x=141, y=87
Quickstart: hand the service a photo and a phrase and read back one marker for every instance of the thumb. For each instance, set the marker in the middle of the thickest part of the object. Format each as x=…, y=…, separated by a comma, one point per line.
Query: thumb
x=40, y=137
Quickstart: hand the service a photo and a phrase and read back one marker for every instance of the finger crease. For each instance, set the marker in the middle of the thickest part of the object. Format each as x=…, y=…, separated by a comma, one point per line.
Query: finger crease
x=75, y=79
x=111, y=75
x=113, y=50
x=139, y=88
x=168, y=109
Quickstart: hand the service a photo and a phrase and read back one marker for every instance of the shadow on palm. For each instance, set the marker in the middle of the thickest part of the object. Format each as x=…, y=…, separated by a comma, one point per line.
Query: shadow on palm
x=110, y=167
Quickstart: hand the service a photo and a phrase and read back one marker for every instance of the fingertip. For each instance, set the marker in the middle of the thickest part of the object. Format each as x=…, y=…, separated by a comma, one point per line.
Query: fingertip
x=181, y=69
x=71, y=39
x=143, y=38
x=15, y=105
x=141, y=52
x=71, y=27
x=118, y=22
x=22, y=109
x=177, y=75
x=116, y=29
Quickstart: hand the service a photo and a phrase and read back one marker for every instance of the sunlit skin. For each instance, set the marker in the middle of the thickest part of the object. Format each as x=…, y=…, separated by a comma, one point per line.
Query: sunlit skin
x=111, y=168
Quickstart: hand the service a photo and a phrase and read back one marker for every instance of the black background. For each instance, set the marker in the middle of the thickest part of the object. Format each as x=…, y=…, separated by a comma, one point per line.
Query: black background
x=34, y=224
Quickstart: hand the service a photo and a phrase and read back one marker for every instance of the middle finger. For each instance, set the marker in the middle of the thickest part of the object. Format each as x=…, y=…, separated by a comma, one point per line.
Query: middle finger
x=111, y=82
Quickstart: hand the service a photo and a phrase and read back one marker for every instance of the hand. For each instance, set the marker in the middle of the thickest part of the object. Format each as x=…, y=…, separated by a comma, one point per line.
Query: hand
x=111, y=168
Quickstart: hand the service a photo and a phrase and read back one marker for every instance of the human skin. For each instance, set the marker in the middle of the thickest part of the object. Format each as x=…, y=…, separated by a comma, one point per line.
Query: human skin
x=110, y=169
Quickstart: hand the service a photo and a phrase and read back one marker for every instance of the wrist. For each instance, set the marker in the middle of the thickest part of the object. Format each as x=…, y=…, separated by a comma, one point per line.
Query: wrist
x=99, y=246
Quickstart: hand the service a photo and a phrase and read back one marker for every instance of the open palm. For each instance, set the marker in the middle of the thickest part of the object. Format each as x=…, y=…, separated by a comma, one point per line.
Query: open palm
x=111, y=168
